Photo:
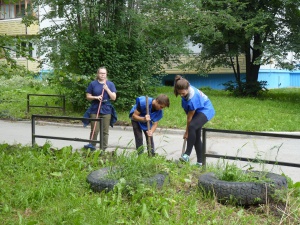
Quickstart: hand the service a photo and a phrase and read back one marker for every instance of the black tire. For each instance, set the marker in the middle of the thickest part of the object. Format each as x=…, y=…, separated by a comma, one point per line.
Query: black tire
x=242, y=193
x=98, y=181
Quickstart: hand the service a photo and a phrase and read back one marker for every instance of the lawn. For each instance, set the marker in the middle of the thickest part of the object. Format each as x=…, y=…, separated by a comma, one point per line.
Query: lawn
x=43, y=185
x=277, y=110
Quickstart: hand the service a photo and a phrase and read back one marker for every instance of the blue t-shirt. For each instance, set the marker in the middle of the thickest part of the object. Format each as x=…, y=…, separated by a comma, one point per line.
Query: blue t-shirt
x=140, y=105
x=95, y=89
x=198, y=101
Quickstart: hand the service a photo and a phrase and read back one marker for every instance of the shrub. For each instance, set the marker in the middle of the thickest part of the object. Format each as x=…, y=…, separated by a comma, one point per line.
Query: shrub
x=252, y=89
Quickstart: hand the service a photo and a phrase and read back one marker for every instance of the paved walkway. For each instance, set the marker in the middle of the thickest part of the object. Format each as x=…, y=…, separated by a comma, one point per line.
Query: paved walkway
x=168, y=142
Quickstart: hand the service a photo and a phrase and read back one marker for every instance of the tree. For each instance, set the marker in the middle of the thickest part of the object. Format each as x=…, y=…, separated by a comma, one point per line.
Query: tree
x=122, y=35
x=259, y=30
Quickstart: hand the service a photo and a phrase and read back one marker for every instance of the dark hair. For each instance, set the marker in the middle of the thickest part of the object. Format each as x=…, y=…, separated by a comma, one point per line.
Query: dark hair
x=163, y=100
x=180, y=84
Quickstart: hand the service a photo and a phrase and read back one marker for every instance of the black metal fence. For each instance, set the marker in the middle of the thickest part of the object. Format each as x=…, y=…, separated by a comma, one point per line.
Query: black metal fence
x=206, y=155
x=34, y=135
x=63, y=107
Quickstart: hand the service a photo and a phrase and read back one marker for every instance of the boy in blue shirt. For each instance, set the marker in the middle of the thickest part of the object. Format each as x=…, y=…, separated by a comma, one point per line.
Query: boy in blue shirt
x=139, y=117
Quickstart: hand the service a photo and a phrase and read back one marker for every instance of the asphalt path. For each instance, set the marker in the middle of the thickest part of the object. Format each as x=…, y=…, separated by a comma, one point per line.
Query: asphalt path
x=168, y=142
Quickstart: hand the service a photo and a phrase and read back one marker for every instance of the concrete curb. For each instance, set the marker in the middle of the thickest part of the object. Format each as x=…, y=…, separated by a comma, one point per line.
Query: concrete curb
x=158, y=130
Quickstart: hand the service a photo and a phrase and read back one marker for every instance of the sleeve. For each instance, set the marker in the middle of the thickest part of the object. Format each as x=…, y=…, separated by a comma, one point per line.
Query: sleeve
x=138, y=105
x=112, y=87
x=89, y=89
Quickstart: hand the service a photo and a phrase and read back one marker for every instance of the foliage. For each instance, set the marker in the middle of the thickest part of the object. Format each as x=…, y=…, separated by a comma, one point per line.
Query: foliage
x=256, y=88
x=39, y=182
x=294, y=186
x=227, y=35
x=123, y=36
x=72, y=86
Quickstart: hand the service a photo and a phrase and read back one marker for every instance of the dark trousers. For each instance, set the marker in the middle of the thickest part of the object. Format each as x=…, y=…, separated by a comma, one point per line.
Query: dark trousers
x=194, y=135
x=138, y=135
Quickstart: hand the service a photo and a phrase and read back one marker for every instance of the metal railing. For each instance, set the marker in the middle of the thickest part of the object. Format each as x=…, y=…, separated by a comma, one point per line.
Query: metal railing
x=206, y=155
x=34, y=135
x=63, y=107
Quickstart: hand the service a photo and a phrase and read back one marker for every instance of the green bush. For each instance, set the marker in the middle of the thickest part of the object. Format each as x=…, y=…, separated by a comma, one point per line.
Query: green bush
x=242, y=88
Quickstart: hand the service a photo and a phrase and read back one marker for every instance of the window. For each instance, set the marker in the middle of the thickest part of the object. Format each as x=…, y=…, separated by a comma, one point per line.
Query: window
x=7, y=11
x=57, y=10
x=24, y=46
x=16, y=10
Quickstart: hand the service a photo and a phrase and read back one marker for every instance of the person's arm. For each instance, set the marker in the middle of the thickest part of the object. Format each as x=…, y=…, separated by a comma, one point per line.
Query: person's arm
x=153, y=128
x=189, y=118
x=112, y=95
x=90, y=97
x=136, y=117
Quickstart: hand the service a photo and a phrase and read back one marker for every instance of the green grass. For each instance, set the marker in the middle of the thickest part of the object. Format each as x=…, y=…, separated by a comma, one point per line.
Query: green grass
x=42, y=185
x=276, y=110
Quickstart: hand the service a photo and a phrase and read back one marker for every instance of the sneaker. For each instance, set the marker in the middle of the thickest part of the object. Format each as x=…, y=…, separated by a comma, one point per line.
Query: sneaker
x=90, y=146
x=185, y=158
x=198, y=164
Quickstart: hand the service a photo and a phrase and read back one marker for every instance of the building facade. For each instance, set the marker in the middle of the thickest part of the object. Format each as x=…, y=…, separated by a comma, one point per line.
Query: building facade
x=10, y=24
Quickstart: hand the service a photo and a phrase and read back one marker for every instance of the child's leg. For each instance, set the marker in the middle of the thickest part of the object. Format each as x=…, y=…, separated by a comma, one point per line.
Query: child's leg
x=198, y=143
x=138, y=136
x=194, y=135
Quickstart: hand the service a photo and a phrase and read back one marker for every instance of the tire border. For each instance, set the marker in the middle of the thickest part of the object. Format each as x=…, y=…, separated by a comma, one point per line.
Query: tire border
x=98, y=182
x=242, y=193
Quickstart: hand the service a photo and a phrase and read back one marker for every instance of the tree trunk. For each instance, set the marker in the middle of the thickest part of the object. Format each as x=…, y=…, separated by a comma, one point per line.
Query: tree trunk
x=252, y=54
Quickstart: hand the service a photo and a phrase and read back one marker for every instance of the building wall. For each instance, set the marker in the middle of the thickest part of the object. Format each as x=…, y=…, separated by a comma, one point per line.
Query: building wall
x=214, y=81
x=12, y=27
x=172, y=68
x=30, y=65
x=275, y=78
x=295, y=79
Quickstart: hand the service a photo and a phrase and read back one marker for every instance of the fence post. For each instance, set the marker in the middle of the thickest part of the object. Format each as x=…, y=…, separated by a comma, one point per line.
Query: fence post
x=33, y=130
x=203, y=152
x=64, y=105
x=27, y=103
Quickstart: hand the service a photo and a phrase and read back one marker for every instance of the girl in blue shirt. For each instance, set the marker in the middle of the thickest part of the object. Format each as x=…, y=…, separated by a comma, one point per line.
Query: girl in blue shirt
x=94, y=94
x=199, y=110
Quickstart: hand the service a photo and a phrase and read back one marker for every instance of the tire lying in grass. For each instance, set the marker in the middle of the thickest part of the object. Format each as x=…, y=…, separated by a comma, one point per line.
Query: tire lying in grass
x=242, y=193
x=98, y=181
